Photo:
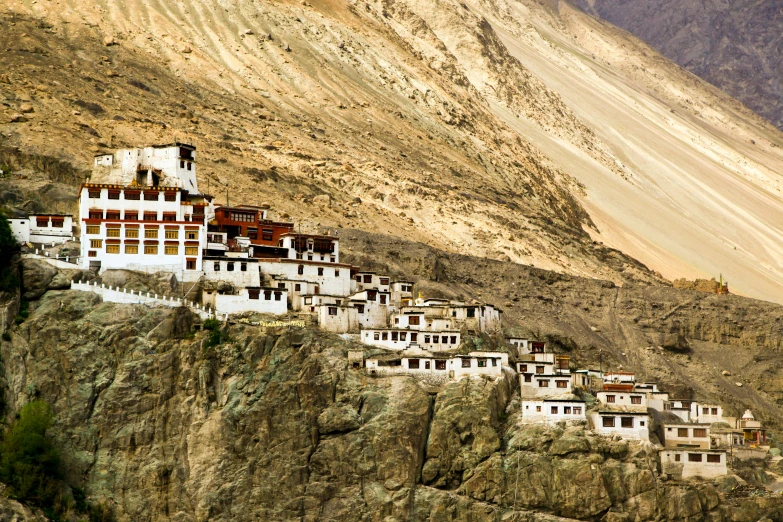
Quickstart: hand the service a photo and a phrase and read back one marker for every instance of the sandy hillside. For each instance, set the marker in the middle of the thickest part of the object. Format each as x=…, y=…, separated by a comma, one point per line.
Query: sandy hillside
x=523, y=131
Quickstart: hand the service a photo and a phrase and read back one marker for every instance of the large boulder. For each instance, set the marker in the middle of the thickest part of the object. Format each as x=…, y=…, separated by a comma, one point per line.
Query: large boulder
x=37, y=274
x=162, y=283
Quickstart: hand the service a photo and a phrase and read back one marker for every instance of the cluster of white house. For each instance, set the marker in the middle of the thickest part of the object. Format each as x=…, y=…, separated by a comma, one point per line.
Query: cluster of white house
x=142, y=210
x=692, y=442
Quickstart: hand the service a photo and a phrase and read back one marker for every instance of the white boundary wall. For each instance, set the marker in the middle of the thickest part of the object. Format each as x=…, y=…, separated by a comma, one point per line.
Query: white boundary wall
x=125, y=296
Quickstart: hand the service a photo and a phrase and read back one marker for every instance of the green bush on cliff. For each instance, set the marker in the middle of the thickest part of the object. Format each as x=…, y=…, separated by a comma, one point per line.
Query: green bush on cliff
x=29, y=463
x=216, y=335
x=8, y=247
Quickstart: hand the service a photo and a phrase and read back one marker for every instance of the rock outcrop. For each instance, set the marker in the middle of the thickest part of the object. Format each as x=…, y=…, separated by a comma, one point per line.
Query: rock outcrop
x=274, y=425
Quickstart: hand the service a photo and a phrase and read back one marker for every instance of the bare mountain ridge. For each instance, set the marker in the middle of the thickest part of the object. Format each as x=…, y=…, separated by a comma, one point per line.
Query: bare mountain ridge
x=736, y=45
x=516, y=131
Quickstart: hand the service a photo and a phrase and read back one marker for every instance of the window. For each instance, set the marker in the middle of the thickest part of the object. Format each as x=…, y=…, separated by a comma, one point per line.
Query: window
x=96, y=243
x=189, y=165
x=150, y=196
x=562, y=384
x=151, y=233
x=466, y=363
x=267, y=295
x=610, y=398
x=368, y=278
x=253, y=293
x=385, y=336
x=300, y=270
x=94, y=193
x=700, y=433
x=332, y=310
x=453, y=339
x=682, y=432
x=694, y=457
x=298, y=288
x=413, y=320
x=626, y=422
x=358, y=279
x=320, y=271
x=112, y=232
x=191, y=234
x=384, y=281
x=538, y=409
x=132, y=232
x=482, y=363
x=394, y=336
x=151, y=249
x=171, y=250
x=131, y=249
x=677, y=458
x=440, y=364
x=191, y=250
x=169, y=216
x=172, y=234
x=93, y=229
x=92, y=253
x=566, y=410
x=112, y=214
x=435, y=339
x=267, y=234
x=243, y=267
x=371, y=295
x=216, y=266
x=543, y=383
x=360, y=308
x=414, y=337
x=131, y=215
x=112, y=249
x=336, y=272
x=134, y=196
x=383, y=298
x=714, y=411
x=241, y=216
x=528, y=377
x=636, y=400
x=308, y=300
x=170, y=196
x=539, y=369
x=96, y=214
x=57, y=223
x=705, y=411
x=577, y=410
x=229, y=267
x=553, y=410
x=523, y=368
x=471, y=312
x=641, y=423
x=413, y=364
x=427, y=339
x=713, y=458
x=114, y=194
x=608, y=422
x=190, y=264
x=150, y=216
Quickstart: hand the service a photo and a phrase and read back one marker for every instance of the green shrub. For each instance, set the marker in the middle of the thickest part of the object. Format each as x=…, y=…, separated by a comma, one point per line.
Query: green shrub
x=29, y=463
x=19, y=319
x=6, y=336
x=211, y=324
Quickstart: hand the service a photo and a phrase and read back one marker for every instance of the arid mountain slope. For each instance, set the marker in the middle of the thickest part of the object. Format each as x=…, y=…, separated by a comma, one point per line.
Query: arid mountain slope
x=735, y=45
x=511, y=130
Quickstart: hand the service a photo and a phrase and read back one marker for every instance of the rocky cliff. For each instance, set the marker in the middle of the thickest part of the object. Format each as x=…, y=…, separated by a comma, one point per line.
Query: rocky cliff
x=272, y=425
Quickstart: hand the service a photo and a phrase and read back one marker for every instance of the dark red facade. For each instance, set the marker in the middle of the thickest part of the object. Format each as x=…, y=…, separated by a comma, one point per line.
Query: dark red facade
x=248, y=222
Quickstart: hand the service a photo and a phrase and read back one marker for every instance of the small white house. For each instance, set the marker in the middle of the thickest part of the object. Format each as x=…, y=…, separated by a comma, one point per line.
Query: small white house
x=420, y=362
x=633, y=425
x=620, y=377
x=519, y=343
x=680, y=408
x=685, y=435
x=551, y=411
x=632, y=400
x=258, y=299
x=399, y=339
x=42, y=229
x=544, y=385
x=706, y=413
x=329, y=278
x=682, y=464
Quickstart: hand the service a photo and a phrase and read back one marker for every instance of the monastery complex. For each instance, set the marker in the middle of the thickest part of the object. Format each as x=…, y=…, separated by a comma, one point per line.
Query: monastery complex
x=142, y=210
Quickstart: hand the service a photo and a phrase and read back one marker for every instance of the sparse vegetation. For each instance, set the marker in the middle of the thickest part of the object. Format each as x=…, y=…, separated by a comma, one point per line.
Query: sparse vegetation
x=9, y=281
x=216, y=336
